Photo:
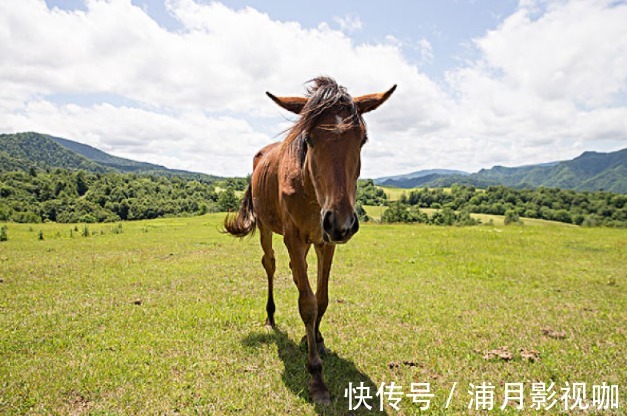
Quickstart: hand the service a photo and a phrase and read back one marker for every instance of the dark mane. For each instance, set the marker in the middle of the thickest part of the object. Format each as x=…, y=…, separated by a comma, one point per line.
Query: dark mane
x=323, y=95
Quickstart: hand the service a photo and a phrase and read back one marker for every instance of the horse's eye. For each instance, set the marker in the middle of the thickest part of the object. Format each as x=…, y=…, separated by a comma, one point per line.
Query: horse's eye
x=308, y=140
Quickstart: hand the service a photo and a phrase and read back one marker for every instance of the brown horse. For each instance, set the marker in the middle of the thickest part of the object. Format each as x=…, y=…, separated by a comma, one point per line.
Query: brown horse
x=304, y=188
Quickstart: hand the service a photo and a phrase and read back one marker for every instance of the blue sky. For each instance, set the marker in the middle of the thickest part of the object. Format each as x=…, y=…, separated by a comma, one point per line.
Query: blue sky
x=182, y=82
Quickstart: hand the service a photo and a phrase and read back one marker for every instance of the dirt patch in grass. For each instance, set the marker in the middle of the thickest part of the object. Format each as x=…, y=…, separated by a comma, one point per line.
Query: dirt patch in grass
x=551, y=333
x=78, y=404
x=502, y=353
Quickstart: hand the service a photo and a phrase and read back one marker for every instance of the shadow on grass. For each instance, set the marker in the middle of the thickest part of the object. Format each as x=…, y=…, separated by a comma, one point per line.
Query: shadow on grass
x=338, y=373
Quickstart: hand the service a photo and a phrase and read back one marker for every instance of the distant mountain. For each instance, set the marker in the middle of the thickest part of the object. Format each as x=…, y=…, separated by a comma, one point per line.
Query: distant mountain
x=436, y=181
x=26, y=150
x=22, y=151
x=389, y=180
x=591, y=171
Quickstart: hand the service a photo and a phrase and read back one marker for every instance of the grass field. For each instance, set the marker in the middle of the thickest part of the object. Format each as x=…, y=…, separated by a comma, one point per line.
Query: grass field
x=375, y=213
x=165, y=317
x=394, y=194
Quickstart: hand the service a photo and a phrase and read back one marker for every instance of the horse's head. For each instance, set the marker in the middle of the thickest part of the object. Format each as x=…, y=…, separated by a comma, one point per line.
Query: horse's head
x=327, y=139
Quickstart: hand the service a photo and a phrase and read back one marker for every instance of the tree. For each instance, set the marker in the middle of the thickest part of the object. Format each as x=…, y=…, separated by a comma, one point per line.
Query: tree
x=361, y=213
x=369, y=194
x=81, y=183
x=227, y=201
x=464, y=218
x=396, y=212
x=445, y=216
x=562, y=215
x=511, y=217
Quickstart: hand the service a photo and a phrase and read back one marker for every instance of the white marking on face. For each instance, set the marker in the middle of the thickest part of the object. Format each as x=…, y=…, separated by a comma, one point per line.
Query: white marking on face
x=339, y=122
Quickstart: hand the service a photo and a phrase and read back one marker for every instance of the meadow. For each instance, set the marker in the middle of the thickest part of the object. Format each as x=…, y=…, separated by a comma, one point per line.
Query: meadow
x=166, y=317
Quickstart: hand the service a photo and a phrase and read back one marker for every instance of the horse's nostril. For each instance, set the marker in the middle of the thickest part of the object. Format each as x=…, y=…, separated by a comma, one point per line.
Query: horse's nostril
x=327, y=222
x=355, y=224
x=335, y=230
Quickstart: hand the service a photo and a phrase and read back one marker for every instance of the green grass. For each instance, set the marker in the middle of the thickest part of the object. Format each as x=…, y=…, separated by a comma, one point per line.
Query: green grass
x=166, y=316
x=375, y=213
x=394, y=194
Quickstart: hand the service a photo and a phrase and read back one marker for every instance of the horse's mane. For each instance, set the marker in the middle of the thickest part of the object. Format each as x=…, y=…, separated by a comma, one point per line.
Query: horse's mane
x=323, y=95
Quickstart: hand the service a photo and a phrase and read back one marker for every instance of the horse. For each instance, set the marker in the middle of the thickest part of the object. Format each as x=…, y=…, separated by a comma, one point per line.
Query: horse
x=304, y=188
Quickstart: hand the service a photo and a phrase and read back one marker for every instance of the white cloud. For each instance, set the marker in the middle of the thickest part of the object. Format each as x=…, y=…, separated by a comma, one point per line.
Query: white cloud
x=426, y=51
x=189, y=140
x=548, y=86
x=549, y=83
x=576, y=51
x=349, y=23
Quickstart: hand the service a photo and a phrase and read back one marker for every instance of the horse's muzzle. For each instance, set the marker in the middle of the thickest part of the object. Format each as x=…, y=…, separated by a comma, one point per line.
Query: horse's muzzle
x=336, y=231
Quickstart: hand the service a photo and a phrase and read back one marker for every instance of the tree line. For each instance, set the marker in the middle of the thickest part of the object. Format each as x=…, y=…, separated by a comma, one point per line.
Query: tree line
x=70, y=196
x=67, y=196
x=573, y=207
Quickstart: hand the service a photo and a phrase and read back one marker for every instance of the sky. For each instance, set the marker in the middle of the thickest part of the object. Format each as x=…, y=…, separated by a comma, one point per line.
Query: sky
x=182, y=83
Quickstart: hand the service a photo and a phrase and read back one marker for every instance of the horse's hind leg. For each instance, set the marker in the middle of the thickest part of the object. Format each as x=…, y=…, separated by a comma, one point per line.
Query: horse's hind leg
x=270, y=266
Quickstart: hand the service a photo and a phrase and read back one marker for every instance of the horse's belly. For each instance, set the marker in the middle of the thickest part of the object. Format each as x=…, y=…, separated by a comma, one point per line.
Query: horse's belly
x=267, y=212
x=265, y=190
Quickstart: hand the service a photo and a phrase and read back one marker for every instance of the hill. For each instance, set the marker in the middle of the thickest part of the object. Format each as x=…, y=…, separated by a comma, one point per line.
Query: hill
x=23, y=151
x=591, y=171
x=385, y=181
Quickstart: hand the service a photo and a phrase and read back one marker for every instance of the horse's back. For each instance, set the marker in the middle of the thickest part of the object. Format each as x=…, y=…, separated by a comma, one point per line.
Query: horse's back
x=265, y=187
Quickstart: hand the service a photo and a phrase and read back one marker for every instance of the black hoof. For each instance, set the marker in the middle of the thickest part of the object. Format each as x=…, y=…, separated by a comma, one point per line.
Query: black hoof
x=320, y=393
x=270, y=323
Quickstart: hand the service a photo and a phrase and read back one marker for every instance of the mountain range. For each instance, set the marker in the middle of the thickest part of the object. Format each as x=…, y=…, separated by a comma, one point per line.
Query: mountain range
x=591, y=171
x=23, y=151
x=421, y=174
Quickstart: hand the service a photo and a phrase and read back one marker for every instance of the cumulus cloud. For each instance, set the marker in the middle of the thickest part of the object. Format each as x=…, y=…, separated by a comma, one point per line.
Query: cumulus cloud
x=576, y=51
x=349, y=23
x=548, y=83
x=189, y=140
x=426, y=51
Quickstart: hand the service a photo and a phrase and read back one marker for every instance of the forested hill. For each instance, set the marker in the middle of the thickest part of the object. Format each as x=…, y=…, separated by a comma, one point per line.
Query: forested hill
x=591, y=171
x=23, y=151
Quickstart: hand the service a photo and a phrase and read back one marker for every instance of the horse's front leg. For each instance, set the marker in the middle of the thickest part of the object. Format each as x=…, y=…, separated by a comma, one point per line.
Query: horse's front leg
x=308, y=308
x=324, y=253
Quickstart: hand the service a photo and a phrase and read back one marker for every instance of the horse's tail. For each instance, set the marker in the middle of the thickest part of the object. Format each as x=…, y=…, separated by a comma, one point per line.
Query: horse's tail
x=244, y=222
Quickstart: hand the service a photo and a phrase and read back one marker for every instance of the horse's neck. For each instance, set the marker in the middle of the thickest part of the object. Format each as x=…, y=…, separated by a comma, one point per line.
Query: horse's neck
x=308, y=187
x=297, y=182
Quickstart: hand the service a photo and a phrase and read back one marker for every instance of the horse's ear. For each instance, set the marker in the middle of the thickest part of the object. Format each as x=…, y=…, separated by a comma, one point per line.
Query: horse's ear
x=293, y=104
x=370, y=102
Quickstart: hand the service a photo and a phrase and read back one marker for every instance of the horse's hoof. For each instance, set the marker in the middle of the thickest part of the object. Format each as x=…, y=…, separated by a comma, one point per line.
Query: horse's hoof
x=322, y=399
x=320, y=394
x=270, y=323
